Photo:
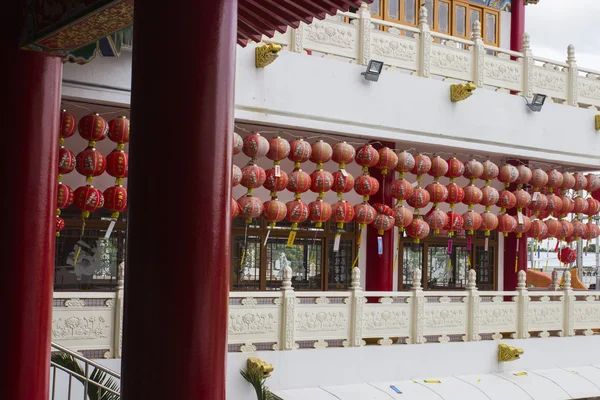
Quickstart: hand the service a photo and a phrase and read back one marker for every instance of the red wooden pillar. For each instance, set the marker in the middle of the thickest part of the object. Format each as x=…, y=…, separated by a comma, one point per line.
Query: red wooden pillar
x=511, y=250
x=517, y=24
x=178, y=260
x=380, y=267
x=28, y=170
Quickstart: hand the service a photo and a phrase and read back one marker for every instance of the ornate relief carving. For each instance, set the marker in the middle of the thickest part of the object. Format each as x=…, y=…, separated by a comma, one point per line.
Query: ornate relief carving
x=445, y=318
x=444, y=299
x=548, y=81
x=331, y=35
x=385, y=320
x=249, y=301
x=74, y=303
x=497, y=336
x=330, y=321
x=320, y=344
x=251, y=323
x=502, y=72
x=385, y=342
x=72, y=328
x=497, y=316
x=451, y=60
x=444, y=339
x=420, y=304
x=589, y=89
x=290, y=305
x=359, y=304
x=394, y=49
x=109, y=303
x=247, y=348
x=322, y=300
x=546, y=315
x=586, y=313
x=543, y=334
x=385, y=300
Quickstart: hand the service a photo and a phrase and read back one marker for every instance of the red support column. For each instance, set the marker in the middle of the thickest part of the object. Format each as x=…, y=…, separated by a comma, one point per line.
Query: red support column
x=517, y=24
x=380, y=267
x=28, y=170
x=178, y=260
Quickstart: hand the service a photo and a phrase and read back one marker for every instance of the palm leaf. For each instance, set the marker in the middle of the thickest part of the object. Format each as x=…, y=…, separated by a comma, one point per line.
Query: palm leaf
x=97, y=376
x=255, y=376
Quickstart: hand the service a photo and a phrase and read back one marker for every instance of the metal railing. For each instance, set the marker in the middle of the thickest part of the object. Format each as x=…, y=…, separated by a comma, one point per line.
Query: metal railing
x=86, y=384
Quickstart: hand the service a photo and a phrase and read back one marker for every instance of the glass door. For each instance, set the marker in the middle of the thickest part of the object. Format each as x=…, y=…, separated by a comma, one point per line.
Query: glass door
x=447, y=271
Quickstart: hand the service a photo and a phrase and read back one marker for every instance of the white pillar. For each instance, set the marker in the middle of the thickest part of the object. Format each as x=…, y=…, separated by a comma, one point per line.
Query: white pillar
x=418, y=301
x=288, y=310
x=425, y=41
x=478, y=55
x=357, y=304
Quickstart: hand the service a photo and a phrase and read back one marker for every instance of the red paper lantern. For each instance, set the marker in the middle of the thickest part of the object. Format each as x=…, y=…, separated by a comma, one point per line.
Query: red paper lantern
x=525, y=175
x=406, y=162
x=506, y=224
x=506, y=200
x=279, y=149
x=238, y=144
x=90, y=162
x=299, y=182
x=580, y=182
x=274, y=211
x=566, y=229
x=592, y=231
x=456, y=194
x=456, y=169
x=250, y=207
x=300, y=151
x=67, y=125
x=297, y=212
x=490, y=171
x=436, y=219
x=593, y=182
x=364, y=214
x=554, y=204
x=321, y=153
x=538, y=230
x=388, y=160
x=115, y=200
x=578, y=229
x=275, y=183
x=472, y=221
x=235, y=208
x=523, y=199
x=401, y=189
x=437, y=192
x=567, y=255
x=342, y=183
x=367, y=156
x=236, y=175
x=343, y=154
x=321, y=182
x=422, y=165
x=383, y=209
x=580, y=205
x=539, y=202
x=489, y=196
x=66, y=161
x=60, y=225
x=383, y=223
x=543, y=214
x=596, y=194
x=64, y=198
x=554, y=228
x=419, y=199
x=508, y=174
x=88, y=199
x=539, y=179
x=473, y=195
x=593, y=207
x=118, y=129
x=568, y=181
x=473, y=170
x=366, y=185
x=253, y=176
x=319, y=212
x=403, y=217
x=117, y=163
x=418, y=229
x=439, y=167
x=568, y=205
x=93, y=127
x=555, y=180
x=255, y=146
x=455, y=223
x=342, y=213
x=523, y=227
x=489, y=222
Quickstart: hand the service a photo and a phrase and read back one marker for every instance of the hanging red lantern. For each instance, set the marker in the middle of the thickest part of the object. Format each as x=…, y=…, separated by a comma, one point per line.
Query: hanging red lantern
x=456, y=169
x=439, y=167
x=580, y=205
x=299, y=182
x=93, y=128
x=568, y=181
x=419, y=199
x=64, y=198
x=418, y=230
x=300, y=152
x=274, y=183
x=489, y=222
x=235, y=208
x=274, y=211
x=567, y=255
x=321, y=182
x=473, y=195
x=506, y=200
x=456, y=194
x=543, y=214
x=555, y=180
x=388, y=160
x=524, y=226
x=342, y=183
x=508, y=174
x=578, y=229
x=255, y=146
x=592, y=231
x=383, y=223
x=554, y=228
x=489, y=197
x=566, y=229
x=403, y=217
x=321, y=153
x=88, y=199
x=366, y=156
x=297, y=212
x=506, y=224
x=523, y=199
x=60, y=225
x=319, y=212
x=568, y=205
x=253, y=176
x=238, y=144
x=436, y=219
x=593, y=182
x=117, y=164
x=279, y=149
x=383, y=209
x=342, y=213
x=401, y=190
x=471, y=221
x=437, y=193
x=596, y=194
x=525, y=175
x=115, y=200
x=90, y=163
x=364, y=214
x=593, y=207
x=422, y=165
x=490, y=171
x=538, y=230
x=580, y=182
x=539, y=179
x=250, y=207
x=119, y=129
x=366, y=186
x=66, y=161
x=406, y=162
x=539, y=202
x=236, y=175
x=67, y=124
x=343, y=154
x=455, y=223
x=554, y=204
x=473, y=170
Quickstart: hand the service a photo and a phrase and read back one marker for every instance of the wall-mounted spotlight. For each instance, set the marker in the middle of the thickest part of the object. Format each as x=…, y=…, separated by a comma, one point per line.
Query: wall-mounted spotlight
x=266, y=54
x=537, y=103
x=461, y=91
x=373, y=70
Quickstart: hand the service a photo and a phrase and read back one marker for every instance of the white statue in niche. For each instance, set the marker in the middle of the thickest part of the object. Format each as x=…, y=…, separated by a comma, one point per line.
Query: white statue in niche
x=280, y=264
x=92, y=260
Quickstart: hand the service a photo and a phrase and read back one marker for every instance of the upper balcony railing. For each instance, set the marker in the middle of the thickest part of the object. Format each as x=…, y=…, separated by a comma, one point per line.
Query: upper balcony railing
x=357, y=38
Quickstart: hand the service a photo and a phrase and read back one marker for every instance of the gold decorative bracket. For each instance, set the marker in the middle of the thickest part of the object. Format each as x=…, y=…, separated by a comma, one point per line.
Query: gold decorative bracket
x=265, y=367
x=508, y=353
x=461, y=91
x=266, y=54
x=597, y=119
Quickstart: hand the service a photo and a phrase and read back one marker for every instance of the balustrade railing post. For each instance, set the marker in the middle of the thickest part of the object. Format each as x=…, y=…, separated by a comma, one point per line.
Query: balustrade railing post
x=288, y=311
x=357, y=302
x=364, y=34
x=425, y=40
x=418, y=304
x=473, y=307
x=118, y=310
x=569, y=305
x=528, y=65
x=555, y=285
x=478, y=55
x=522, y=306
x=573, y=76
x=297, y=39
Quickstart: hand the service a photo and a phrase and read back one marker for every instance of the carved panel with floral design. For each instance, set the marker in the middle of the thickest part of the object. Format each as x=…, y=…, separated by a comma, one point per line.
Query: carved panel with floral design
x=387, y=319
x=330, y=321
x=251, y=323
x=86, y=327
x=330, y=34
x=444, y=318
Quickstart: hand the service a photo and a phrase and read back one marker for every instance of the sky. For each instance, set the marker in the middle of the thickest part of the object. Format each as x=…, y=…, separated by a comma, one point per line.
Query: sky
x=554, y=24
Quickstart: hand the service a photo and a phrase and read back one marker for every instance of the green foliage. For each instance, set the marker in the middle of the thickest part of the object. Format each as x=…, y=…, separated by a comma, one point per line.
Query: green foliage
x=98, y=376
x=254, y=375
